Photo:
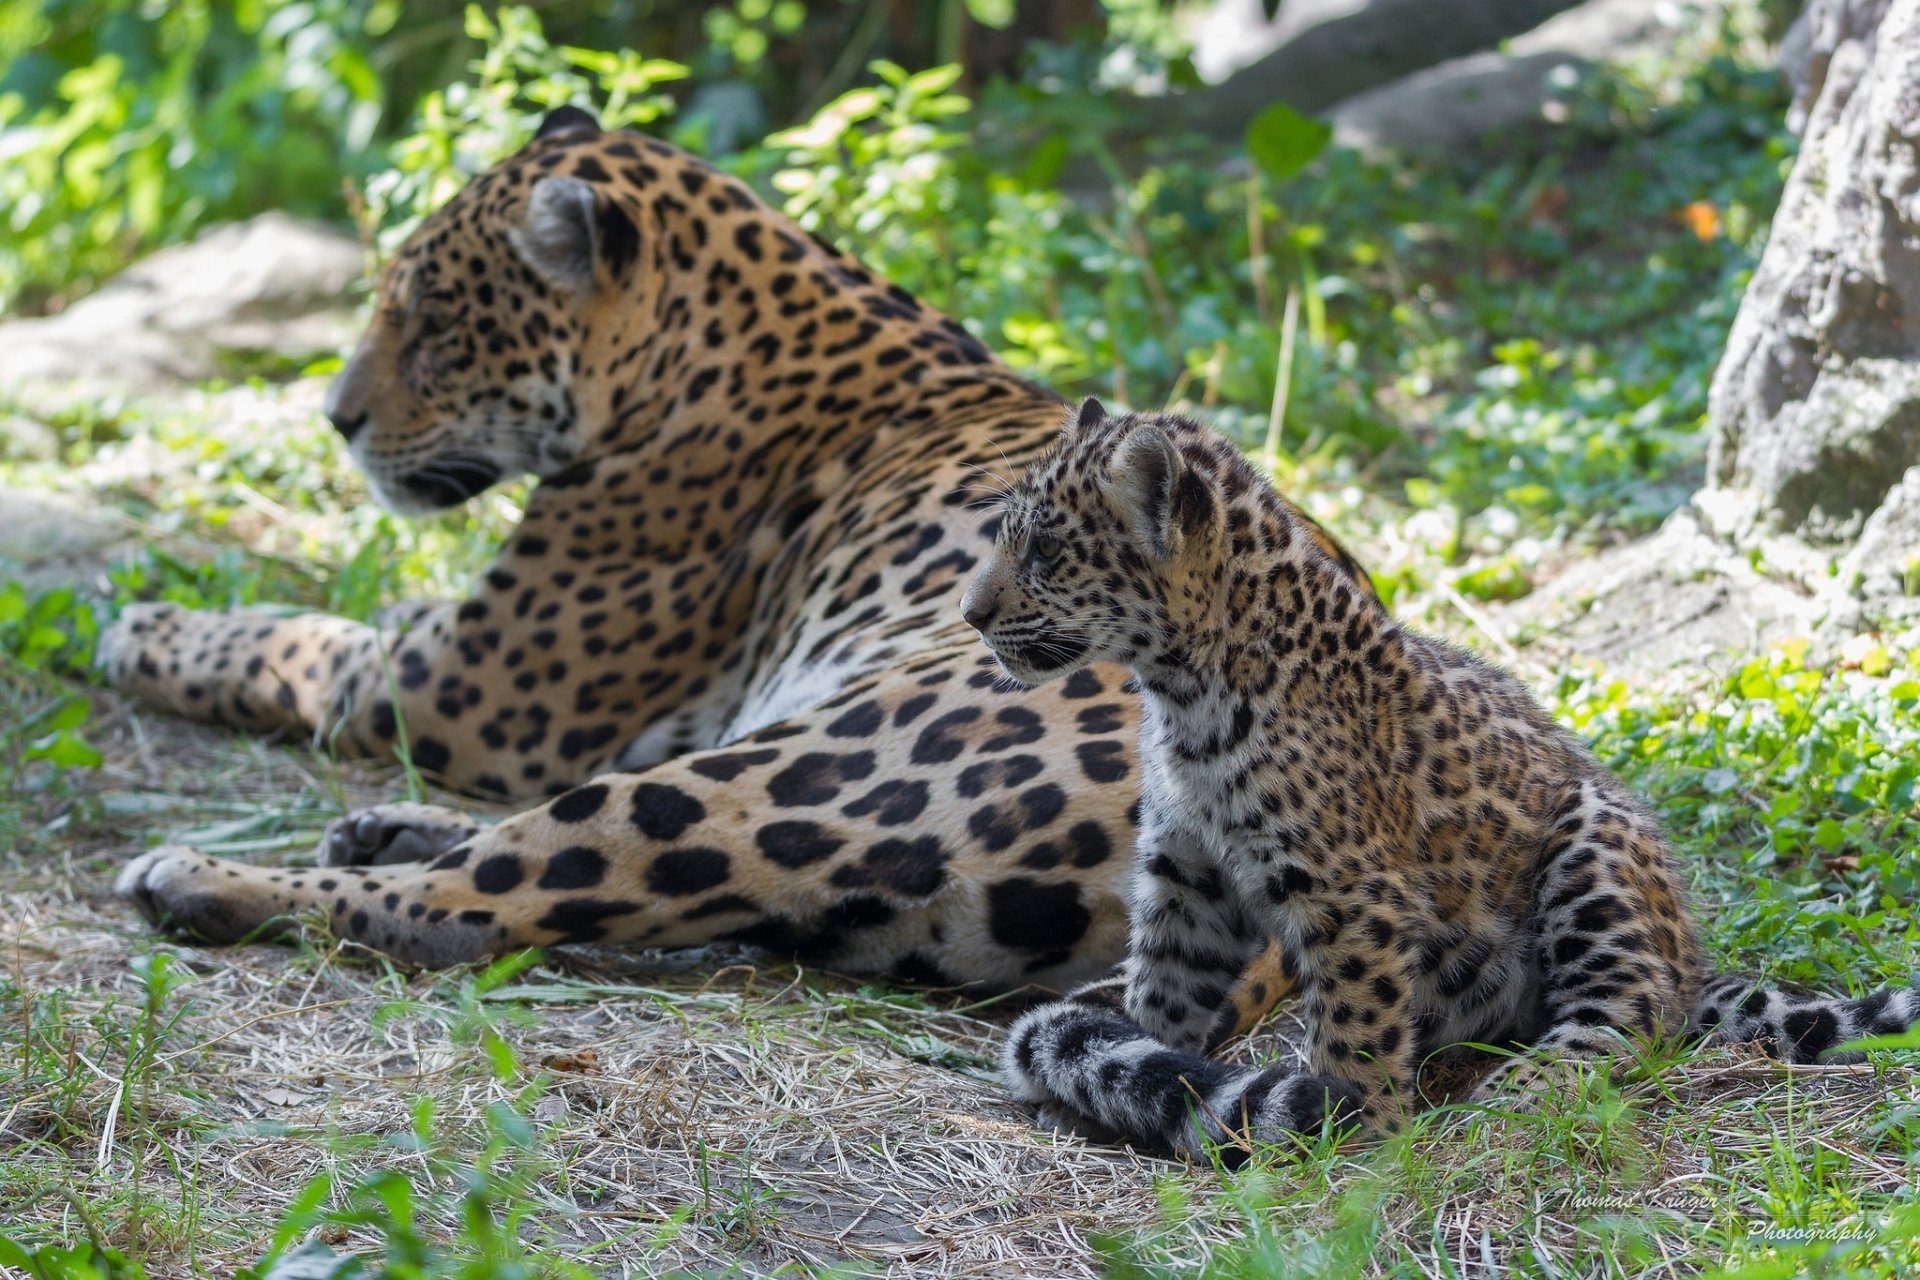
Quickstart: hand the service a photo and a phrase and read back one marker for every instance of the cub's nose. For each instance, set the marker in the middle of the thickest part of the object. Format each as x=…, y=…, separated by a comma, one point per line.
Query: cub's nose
x=978, y=613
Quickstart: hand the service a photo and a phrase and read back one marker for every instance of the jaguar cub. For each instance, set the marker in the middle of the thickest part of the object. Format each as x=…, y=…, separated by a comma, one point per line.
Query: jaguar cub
x=1442, y=863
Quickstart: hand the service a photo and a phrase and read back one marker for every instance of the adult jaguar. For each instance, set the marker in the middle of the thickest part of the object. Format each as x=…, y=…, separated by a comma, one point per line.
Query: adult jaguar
x=724, y=637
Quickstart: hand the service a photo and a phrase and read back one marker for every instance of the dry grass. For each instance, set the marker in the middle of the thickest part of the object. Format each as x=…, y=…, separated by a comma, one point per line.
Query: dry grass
x=723, y=1113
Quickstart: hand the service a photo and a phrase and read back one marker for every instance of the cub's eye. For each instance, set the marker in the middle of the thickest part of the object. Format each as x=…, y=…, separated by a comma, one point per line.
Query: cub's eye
x=1048, y=546
x=435, y=322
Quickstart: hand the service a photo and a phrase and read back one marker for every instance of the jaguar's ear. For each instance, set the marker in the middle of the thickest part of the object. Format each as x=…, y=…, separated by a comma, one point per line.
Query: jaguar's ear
x=1091, y=413
x=1141, y=479
x=556, y=238
x=567, y=120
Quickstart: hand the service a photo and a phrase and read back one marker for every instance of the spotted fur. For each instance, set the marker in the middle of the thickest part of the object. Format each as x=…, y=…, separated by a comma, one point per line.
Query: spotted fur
x=1444, y=865
x=722, y=641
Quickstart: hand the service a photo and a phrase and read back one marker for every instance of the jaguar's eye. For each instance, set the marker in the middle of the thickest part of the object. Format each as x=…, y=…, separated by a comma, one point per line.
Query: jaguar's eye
x=435, y=322
x=1048, y=546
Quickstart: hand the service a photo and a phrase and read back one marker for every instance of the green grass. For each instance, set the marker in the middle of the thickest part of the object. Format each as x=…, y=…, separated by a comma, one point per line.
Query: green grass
x=1792, y=790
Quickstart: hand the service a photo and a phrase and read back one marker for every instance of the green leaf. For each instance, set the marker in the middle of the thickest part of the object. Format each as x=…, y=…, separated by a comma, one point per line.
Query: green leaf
x=936, y=80
x=991, y=13
x=1044, y=163
x=510, y=1124
x=1282, y=142
x=45, y=639
x=65, y=750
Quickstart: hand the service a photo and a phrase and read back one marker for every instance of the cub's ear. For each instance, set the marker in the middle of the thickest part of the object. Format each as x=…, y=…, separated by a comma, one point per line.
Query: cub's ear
x=1142, y=477
x=1091, y=413
x=556, y=238
x=567, y=120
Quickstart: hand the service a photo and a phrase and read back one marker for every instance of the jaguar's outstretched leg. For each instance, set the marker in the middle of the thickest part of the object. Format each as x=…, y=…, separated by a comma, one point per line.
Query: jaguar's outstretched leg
x=258, y=671
x=505, y=694
x=953, y=858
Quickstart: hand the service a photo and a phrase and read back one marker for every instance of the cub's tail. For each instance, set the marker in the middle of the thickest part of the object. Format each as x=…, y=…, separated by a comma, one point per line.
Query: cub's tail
x=1800, y=1028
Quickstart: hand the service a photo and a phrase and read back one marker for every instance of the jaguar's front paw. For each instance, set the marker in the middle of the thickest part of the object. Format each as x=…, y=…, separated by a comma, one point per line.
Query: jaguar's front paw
x=391, y=833
x=178, y=888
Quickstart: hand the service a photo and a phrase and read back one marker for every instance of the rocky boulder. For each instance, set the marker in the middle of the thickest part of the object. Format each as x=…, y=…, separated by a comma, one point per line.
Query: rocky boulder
x=274, y=286
x=1460, y=101
x=1815, y=408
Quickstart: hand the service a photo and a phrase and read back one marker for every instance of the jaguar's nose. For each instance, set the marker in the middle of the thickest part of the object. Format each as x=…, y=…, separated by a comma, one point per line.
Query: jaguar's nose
x=346, y=404
x=979, y=613
x=348, y=425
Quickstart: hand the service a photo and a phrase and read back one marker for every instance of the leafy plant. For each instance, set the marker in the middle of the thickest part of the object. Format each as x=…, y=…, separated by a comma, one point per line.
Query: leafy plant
x=130, y=124
x=874, y=159
x=52, y=632
x=1793, y=787
x=487, y=1198
x=518, y=78
x=68, y=1262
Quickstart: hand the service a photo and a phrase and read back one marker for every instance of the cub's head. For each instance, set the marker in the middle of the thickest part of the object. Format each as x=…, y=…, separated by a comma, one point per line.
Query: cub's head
x=469, y=371
x=1109, y=549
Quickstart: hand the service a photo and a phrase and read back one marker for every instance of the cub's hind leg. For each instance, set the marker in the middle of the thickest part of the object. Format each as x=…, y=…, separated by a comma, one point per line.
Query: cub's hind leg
x=1616, y=945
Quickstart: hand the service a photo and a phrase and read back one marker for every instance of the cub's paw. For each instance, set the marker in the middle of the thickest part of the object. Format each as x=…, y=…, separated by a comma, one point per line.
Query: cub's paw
x=178, y=888
x=391, y=833
x=1301, y=1104
x=1063, y=1119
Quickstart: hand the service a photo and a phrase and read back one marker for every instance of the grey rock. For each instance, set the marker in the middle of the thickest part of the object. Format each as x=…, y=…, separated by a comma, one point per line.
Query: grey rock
x=1879, y=580
x=49, y=539
x=273, y=284
x=1678, y=600
x=25, y=439
x=1457, y=102
x=36, y=526
x=1808, y=49
x=1231, y=34
x=1350, y=52
x=1815, y=408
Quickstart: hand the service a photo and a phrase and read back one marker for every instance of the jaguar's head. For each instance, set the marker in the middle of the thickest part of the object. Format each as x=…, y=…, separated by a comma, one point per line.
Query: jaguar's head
x=486, y=322
x=1105, y=547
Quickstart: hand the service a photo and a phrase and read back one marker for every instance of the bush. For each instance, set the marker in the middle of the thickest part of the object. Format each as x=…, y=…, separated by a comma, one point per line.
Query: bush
x=128, y=124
